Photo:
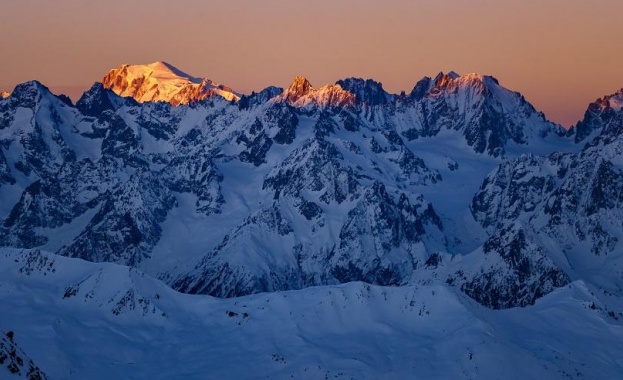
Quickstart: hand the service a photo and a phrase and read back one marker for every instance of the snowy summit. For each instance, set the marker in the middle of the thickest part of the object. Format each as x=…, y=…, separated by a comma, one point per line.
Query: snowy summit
x=161, y=81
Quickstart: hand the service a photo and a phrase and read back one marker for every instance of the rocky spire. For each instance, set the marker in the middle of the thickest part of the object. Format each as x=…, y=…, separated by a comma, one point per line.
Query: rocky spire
x=300, y=87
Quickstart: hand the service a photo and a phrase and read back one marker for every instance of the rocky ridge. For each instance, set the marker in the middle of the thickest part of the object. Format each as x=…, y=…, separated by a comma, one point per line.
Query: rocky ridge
x=290, y=189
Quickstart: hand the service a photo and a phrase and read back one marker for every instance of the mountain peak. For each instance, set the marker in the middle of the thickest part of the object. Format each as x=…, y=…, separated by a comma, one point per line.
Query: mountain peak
x=161, y=67
x=615, y=101
x=612, y=102
x=300, y=87
x=32, y=85
x=451, y=82
x=489, y=114
x=301, y=93
x=29, y=93
x=366, y=91
x=453, y=79
x=453, y=74
x=603, y=112
x=443, y=78
x=98, y=99
x=161, y=81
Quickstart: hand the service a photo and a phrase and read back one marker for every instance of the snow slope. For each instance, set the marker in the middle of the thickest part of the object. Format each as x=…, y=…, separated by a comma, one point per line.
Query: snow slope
x=99, y=321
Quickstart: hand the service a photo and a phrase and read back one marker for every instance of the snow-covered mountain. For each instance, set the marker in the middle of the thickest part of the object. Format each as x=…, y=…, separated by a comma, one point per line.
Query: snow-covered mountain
x=492, y=118
x=161, y=81
x=603, y=113
x=279, y=191
x=82, y=320
x=459, y=187
x=569, y=203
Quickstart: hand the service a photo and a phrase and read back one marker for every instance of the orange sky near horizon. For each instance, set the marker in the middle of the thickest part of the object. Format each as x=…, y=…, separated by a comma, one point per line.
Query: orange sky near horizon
x=561, y=54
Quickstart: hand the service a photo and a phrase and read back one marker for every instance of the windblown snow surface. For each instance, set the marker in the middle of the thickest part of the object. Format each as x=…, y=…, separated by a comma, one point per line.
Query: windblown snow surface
x=82, y=320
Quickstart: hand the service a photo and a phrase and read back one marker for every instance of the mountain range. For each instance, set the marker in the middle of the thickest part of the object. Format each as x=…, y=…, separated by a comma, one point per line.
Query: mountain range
x=343, y=195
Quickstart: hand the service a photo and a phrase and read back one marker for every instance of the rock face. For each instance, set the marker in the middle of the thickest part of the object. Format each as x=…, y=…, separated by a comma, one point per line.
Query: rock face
x=381, y=241
x=301, y=94
x=601, y=114
x=489, y=116
x=571, y=201
x=302, y=187
x=99, y=99
x=366, y=92
x=15, y=361
x=160, y=81
x=510, y=271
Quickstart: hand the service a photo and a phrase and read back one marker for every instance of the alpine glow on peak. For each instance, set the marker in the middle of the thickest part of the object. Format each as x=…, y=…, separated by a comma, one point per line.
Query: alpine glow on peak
x=161, y=81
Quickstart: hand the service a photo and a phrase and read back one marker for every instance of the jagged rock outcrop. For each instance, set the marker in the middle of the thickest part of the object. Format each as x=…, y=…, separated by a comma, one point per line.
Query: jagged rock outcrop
x=301, y=94
x=510, y=271
x=571, y=200
x=381, y=241
x=99, y=99
x=15, y=363
x=367, y=92
x=600, y=115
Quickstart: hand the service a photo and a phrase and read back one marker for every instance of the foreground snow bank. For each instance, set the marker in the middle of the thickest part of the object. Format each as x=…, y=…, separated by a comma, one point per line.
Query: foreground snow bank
x=77, y=320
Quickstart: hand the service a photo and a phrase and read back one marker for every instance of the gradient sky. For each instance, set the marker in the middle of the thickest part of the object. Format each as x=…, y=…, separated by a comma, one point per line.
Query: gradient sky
x=561, y=54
